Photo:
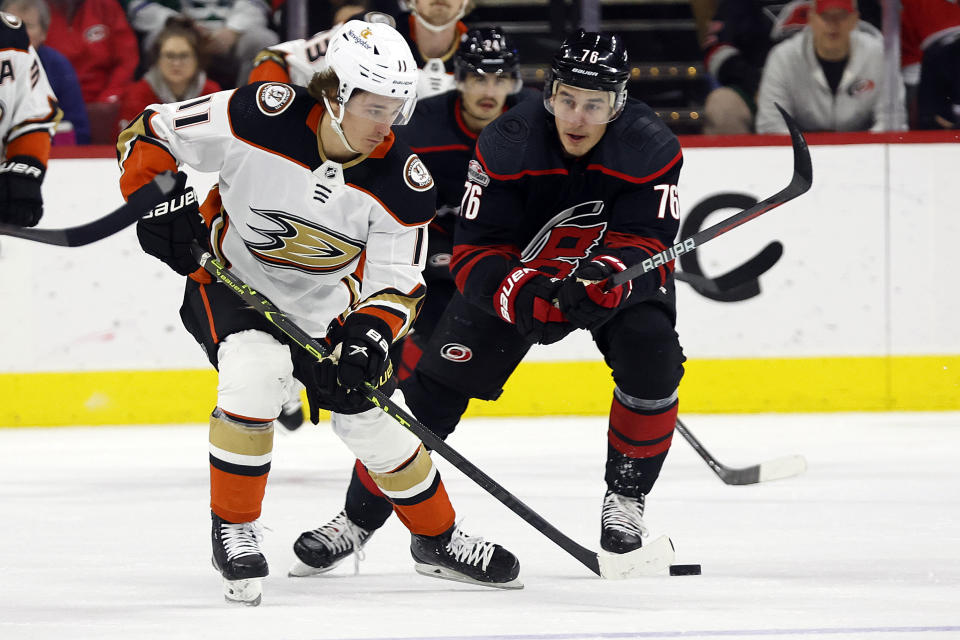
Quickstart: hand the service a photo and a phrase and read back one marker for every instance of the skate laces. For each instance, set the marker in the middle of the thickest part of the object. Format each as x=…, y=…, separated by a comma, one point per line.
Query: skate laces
x=623, y=514
x=341, y=534
x=469, y=549
x=241, y=539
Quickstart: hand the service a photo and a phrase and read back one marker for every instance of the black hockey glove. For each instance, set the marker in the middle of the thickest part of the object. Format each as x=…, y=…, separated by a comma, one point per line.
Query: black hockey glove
x=525, y=299
x=20, y=200
x=583, y=297
x=170, y=228
x=364, y=351
x=319, y=377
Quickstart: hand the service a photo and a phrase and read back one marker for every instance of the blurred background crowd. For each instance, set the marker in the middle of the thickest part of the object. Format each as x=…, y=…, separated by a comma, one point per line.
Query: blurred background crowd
x=706, y=66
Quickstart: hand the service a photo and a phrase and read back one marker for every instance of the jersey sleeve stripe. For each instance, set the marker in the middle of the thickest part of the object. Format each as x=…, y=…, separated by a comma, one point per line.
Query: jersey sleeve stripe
x=439, y=148
x=141, y=155
x=35, y=144
x=517, y=176
x=635, y=180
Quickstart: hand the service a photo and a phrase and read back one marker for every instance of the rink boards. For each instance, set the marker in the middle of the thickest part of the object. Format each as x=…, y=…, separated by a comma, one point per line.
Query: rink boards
x=859, y=314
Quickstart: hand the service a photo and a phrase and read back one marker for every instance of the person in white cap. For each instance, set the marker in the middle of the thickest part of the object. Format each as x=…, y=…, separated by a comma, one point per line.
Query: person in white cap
x=320, y=209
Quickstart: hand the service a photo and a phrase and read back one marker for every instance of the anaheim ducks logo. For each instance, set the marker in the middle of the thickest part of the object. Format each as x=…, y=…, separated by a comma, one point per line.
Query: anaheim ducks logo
x=295, y=243
x=273, y=98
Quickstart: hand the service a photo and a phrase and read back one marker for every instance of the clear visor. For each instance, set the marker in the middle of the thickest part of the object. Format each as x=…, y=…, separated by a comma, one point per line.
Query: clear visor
x=381, y=109
x=478, y=82
x=573, y=104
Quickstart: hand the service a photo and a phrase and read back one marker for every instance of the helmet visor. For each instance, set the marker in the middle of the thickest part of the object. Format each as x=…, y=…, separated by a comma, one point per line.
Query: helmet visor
x=381, y=109
x=573, y=104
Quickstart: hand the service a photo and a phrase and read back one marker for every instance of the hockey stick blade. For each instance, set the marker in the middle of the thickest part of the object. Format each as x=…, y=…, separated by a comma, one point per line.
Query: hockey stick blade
x=140, y=203
x=651, y=559
x=799, y=184
x=785, y=467
x=634, y=566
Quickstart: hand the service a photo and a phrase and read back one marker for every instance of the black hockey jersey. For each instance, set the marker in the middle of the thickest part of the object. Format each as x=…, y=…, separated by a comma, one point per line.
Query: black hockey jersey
x=525, y=202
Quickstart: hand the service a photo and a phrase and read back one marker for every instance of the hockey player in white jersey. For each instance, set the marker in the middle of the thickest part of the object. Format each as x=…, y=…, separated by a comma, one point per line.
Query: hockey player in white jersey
x=28, y=118
x=320, y=209
x=432, y=28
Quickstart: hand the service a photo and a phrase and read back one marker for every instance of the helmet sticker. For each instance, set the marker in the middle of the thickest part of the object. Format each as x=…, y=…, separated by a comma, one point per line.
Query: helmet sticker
x=274, y=98
x=416, y=174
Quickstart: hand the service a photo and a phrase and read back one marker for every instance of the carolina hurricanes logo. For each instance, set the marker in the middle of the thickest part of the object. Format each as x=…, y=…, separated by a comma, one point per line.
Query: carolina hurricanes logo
x=565, y=239
x=456, y=352
x=295, y=243
x=861, y=86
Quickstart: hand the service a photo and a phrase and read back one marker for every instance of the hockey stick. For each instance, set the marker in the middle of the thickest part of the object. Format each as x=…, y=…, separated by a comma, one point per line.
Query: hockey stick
x=799, y=184
x=785, y=467
x=649, y=559
x=140, y=203
x=737, y=284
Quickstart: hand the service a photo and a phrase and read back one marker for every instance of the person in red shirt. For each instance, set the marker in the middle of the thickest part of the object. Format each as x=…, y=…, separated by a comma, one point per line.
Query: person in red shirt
x=176, y=73
x=96, y=38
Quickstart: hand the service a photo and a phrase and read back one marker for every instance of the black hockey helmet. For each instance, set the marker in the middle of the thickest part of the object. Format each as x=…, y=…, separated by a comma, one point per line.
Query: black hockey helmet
x=592, y=61
x=486, y=51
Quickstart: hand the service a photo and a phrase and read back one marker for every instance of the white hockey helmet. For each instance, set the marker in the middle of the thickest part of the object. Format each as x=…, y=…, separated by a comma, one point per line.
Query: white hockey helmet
x=373, y=57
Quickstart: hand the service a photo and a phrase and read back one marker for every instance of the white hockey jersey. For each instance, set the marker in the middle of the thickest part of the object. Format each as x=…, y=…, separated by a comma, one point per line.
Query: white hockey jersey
x=27, y=103
x=319, y=238
x=295, y=62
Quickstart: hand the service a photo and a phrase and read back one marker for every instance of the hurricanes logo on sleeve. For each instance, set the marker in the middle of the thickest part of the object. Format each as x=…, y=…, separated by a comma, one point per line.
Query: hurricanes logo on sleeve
x=416, y=174
x=273, y=98
x=294, y=243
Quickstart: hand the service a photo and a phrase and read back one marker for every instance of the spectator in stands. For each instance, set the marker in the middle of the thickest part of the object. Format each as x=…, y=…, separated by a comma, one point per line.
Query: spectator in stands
x=97, y=40
x=938, y=98
x=177, y=60
x=735, y=49
x=924, y=24
x=234, y=31
x=74, y=128
x=830, y=77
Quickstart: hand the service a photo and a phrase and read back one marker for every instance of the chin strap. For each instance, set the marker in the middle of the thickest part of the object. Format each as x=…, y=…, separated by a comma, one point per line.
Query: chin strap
x=335, y=124
x=430, y=27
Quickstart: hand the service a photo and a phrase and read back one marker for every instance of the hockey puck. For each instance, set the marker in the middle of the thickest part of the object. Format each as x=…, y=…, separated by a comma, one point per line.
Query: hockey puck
x=684, y=569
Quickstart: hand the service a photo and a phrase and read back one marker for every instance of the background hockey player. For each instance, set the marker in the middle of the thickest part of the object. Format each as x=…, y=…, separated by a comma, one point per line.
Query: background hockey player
x=28, y=118
x=557, y=200
x=321, y=210
x=432, y=28
x=443, y=132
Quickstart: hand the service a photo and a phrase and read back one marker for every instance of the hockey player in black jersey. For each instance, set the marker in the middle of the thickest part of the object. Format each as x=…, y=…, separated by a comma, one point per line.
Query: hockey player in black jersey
x=559, y=196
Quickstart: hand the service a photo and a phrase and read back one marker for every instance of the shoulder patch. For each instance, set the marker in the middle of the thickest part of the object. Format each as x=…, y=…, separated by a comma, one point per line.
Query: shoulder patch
x=13, y=35
x=475, y=173
x=10, y=20
x=273, y=98
x=416, y=174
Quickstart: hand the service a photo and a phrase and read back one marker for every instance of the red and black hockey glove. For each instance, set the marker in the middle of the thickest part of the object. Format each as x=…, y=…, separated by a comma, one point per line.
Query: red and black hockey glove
x=583, y=297
x=168, y=230
x=525, y=299
x=20, y=200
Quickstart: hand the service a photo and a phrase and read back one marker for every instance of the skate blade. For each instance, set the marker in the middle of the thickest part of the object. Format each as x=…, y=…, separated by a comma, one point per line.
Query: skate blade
x=246, y=592
x=301, y=569
x=443, y=573
x=650, y=559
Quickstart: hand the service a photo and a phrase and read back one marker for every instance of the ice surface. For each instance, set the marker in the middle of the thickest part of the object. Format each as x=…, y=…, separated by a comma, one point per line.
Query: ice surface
x=104, y=534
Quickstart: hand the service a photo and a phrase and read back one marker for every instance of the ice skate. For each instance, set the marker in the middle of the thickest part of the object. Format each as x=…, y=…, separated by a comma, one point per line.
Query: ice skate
x=621, y=522
x=237, y=556
x=322, y=549
x=454, y=555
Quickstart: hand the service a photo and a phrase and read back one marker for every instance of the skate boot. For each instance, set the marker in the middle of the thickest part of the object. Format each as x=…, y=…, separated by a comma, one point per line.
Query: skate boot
x=322, y=549
x=291, y=415
x=621, y=523
x=453, y=555
x=237, y=556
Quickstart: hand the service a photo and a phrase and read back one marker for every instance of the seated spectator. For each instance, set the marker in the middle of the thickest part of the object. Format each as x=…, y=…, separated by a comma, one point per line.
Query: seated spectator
x=938, y=98
x=923, y=23
x=74, y=128
x=234, y=31
x=176, y=73
x=97, y=40
x=735, y=48
x=829, y=78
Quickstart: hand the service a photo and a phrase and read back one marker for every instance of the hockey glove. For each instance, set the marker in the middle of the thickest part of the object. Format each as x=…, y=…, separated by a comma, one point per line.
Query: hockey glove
x=168, y=230
x=20, y=200
x=525, y=299
x=364, y=351
x=584, y=300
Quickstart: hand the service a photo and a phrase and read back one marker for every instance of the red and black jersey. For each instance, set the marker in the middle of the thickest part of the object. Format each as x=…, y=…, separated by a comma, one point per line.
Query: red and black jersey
x=525, y=202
